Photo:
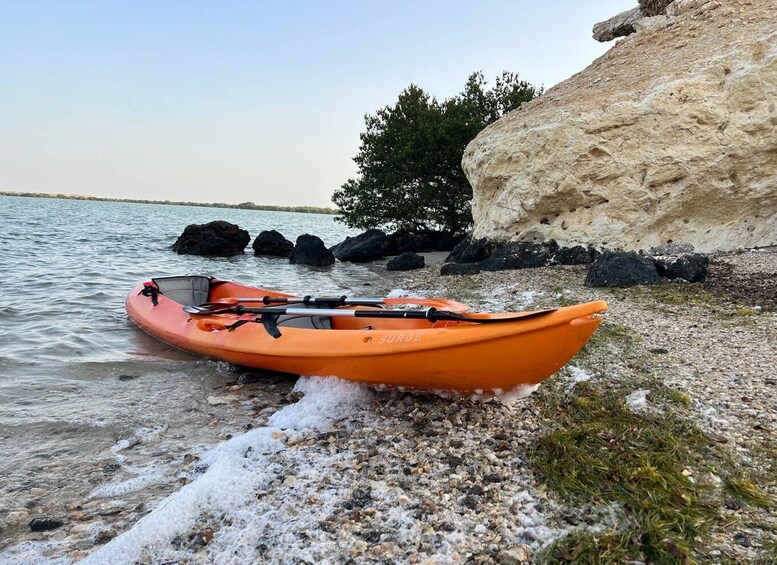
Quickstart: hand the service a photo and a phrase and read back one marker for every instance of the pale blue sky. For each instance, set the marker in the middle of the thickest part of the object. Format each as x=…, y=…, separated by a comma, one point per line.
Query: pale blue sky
x=236, y=101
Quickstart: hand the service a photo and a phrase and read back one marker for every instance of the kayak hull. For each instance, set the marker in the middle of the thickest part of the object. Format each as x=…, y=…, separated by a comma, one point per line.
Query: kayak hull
x=411, y=354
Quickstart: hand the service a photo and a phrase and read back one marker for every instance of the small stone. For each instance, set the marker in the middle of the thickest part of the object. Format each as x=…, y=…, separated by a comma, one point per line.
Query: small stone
x=290, y=481
x=77, y=529
x=221, y=400
x=203, y=538
x=710, y=479
x=480, y=529
x=476, y=490
x=17, y=516
x=104, y=536
x=44, y=522
x=515, y=555
x=742, y=539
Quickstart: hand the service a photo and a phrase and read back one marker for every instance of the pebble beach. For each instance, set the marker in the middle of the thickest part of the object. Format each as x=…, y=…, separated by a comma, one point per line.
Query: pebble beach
x=318, y=470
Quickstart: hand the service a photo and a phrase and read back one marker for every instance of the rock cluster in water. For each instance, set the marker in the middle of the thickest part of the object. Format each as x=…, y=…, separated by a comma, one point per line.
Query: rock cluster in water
x=310, y=250
x=220, y=238
x=368, y=246
x=272, y=243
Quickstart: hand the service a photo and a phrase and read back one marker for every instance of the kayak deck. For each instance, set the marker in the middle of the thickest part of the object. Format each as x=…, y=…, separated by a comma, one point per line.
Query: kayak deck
x=456, y=356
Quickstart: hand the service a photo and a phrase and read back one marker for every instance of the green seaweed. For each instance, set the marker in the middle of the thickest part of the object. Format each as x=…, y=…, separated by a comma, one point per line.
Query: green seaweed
x=600, y=452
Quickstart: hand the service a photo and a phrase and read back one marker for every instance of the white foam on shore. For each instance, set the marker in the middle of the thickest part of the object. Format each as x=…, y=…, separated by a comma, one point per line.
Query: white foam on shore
x=270, y=495
x=637, y=401
x=578, y=375
x=144, y=475
x=399, y=293
x=509, y=299
x=516, y=394
x=130, y=485
x=139, y=436
x=237, y=471
x=32, y=553
x=530, y=296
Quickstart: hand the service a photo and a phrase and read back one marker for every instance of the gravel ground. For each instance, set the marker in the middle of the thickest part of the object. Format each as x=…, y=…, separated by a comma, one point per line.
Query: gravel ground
x=404, y=478
x=716, y=342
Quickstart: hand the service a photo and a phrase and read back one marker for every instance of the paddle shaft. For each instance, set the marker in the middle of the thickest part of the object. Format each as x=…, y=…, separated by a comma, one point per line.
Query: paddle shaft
x=344, y=300
x=431, y=314
x=427, y=314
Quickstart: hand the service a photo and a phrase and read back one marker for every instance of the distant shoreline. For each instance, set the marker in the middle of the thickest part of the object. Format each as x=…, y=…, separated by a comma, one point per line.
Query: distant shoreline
x=241, y=206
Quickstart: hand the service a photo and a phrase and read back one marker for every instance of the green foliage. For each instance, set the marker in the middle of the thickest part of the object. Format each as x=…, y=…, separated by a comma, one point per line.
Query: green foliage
x=410, y=156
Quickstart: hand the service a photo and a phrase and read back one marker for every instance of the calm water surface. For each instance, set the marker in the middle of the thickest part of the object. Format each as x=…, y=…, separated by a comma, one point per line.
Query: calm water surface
x=76, y=376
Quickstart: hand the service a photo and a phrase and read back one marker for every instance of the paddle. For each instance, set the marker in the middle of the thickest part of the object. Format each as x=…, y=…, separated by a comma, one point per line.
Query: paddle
x=331, y=301
x=340, y=301
x=269, y=316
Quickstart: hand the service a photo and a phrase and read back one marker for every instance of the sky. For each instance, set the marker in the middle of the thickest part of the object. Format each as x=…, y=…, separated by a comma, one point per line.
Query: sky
x=247, y=101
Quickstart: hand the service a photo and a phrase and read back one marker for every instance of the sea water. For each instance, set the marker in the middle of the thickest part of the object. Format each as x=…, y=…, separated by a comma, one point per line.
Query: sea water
x=90, y=407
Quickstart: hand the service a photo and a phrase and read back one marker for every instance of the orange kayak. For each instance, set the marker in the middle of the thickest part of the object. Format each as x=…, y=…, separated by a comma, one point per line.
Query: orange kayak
x=464, y=353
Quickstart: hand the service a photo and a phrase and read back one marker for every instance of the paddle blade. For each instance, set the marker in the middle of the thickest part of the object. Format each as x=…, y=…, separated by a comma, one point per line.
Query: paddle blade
x=455, y=316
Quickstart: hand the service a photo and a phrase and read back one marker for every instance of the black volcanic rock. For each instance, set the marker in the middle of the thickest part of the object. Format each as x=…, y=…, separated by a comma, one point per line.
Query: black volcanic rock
x=691, y=267
x=406, y=262
x=368, y=246
x=519, y=255
x=577, y=255
x=470, y=251
x=417, y=241
x=310, y=250
x=217, y=239
x=271, y=242
x=460, y=269
x=621, y=269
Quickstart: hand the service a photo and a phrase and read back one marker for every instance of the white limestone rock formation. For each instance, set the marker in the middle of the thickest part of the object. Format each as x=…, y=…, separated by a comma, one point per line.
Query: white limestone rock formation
x=619, y=25
x=670, y=136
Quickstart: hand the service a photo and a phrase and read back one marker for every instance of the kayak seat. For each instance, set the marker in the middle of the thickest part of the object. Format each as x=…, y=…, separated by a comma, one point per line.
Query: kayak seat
x=306, y=322
x=187, y=291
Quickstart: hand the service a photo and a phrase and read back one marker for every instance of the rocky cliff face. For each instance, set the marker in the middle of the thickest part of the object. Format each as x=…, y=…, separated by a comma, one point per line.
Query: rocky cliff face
x=670, y=136
x=653, y=7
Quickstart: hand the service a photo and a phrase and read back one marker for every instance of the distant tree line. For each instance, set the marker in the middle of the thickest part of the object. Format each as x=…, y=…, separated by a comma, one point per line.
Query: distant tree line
x=242, y=206
x=409, y=162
